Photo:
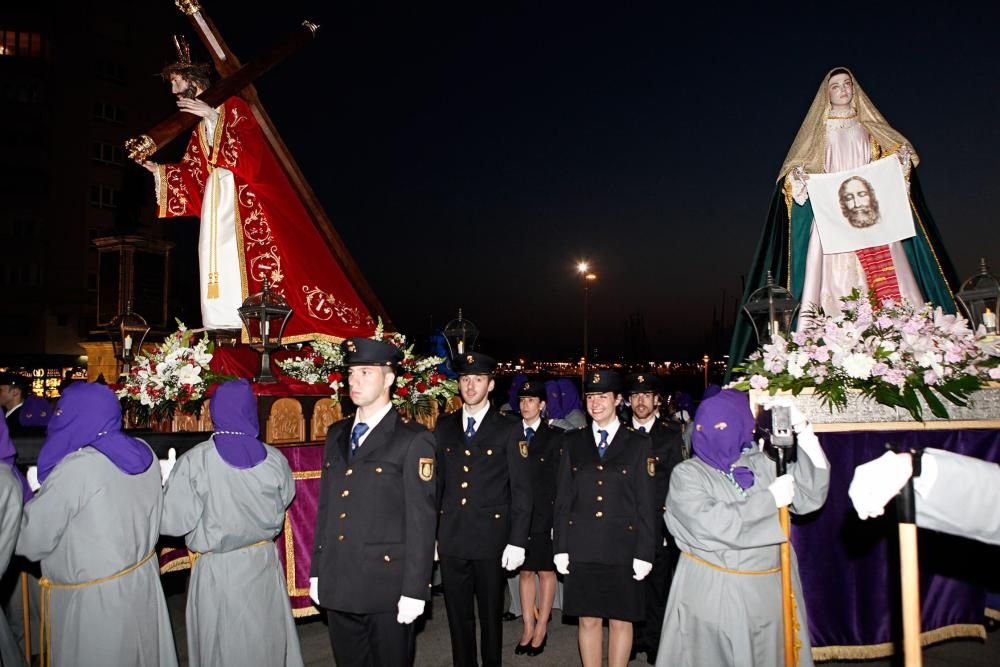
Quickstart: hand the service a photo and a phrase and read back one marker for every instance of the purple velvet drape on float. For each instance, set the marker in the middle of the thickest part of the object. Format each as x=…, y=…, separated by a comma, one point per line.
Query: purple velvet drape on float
x=850, y=568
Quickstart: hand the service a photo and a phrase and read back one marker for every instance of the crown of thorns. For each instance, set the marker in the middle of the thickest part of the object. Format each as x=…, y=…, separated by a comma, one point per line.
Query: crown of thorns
x=184, y=66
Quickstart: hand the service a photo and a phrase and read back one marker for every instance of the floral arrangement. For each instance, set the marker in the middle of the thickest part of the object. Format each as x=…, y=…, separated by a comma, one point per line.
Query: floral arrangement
x=418, y=383
x=170, y=376
x=893, y=352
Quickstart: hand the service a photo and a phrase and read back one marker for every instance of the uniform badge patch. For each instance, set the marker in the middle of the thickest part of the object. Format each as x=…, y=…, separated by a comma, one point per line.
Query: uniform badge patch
x=522, y=445
x=426, y=469
x=651, y=466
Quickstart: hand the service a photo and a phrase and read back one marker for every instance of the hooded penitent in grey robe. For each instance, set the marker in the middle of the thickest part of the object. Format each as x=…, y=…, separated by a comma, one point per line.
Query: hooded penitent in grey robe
x=91, y=521
x=238, y=612
x=724, y=606
x=10, y=524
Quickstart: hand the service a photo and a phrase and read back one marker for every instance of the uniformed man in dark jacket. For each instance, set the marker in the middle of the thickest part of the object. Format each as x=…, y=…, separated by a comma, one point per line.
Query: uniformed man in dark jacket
x=642, y=391
x=485, y=510
x=605, y=525
x=374, y=541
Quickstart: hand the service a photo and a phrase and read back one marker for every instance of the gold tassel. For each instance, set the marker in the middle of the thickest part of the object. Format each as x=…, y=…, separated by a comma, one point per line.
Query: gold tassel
x=213, y=286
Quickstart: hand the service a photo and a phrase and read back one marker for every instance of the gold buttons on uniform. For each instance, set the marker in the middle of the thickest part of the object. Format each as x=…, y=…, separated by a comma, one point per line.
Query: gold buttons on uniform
x=386, y=558
x=599, y=515
x=624, y=471
x=465, y=485
x=600, y=499
x=541, y=460
x=464, y=501
x=497, y=515
x=327, y=465
x=600, y=482
x=468, y=453
x=348, y=472
x=465, y=468
x=340, y=538
x=600, y=467
x=343, y=515
x=489, y=452
x=378, y=470
x=345, y=493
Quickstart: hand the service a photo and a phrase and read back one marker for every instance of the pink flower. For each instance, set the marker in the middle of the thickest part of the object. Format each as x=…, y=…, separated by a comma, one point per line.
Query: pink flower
x=879, y=369
x=930, y=377
x=896, y=377
x=759, y=382
x=885, y=322
x=820, y=354
x=995, y=373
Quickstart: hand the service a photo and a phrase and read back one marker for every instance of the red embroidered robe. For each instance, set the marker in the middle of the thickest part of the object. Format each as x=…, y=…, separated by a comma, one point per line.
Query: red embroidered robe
x=274, y=235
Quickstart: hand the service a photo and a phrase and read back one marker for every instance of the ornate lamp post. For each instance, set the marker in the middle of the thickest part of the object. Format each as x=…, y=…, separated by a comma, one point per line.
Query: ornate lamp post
x=264, y=316
x=771, y=310
x=460, y=335
x=980, y=299
x=128, y=332
x=583, y=268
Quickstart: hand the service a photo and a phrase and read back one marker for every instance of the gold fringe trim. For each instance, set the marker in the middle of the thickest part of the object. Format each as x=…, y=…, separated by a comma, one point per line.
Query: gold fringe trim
x=305, y=612
x=872, y=651
x=992, y=613
x=176, y=565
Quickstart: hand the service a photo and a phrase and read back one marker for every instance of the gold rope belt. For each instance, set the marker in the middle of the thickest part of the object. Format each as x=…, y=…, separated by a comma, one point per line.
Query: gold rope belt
x=46, y=585
x=193, y=556
x=773, y=570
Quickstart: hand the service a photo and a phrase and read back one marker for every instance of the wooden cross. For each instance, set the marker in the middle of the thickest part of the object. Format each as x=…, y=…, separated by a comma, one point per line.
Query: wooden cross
x=237, y=79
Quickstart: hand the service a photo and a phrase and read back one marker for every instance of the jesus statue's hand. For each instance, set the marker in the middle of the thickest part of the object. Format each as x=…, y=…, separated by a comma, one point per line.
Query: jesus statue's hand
x=198, y=108
x=151, y=167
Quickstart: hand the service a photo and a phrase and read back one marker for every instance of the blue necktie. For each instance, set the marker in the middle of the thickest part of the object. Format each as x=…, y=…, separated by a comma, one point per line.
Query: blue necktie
x=642, y=429
x=359, y=430
x=602, y=446
x=470, y=430
x=529, y=433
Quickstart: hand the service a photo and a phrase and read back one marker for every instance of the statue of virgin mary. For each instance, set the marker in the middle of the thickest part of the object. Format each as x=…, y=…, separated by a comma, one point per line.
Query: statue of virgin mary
x=843, y=130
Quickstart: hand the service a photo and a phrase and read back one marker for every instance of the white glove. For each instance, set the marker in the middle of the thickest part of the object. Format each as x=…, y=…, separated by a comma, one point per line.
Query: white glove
x=314, y=589
x=512, y=557
x=32, y=476
x=783, y=490
x=436, y=557
x=877, y=482
x=641, y=569
x=562, y=563
x=806, y=440
x=167, y=465
x=409, y=609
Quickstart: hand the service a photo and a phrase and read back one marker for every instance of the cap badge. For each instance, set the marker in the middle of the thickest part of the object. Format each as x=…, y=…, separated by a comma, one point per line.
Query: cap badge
x=641, y=379
x=596, y=378
x=350, y=346
x=469, y=359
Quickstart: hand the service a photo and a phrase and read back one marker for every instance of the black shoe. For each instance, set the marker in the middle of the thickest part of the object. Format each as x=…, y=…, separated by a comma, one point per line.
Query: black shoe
x=507, y=616
x=521, y=649
x=537, y=650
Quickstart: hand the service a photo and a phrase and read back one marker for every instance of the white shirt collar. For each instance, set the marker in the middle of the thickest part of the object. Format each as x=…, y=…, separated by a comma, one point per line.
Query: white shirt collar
x=534, y=425
x=11, y=411
x=648, y=424
x=477, y=418
x=611, y=428
x=372, y=421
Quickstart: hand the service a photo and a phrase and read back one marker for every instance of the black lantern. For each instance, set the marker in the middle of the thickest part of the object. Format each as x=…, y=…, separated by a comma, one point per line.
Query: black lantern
x=128, y=332
x=980, y=299
x=264, y=316
x=772, y=310
x=460, y=335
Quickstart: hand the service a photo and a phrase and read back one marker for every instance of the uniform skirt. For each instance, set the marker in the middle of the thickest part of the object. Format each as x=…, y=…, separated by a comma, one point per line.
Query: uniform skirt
x=603, y=591
x=538, y=555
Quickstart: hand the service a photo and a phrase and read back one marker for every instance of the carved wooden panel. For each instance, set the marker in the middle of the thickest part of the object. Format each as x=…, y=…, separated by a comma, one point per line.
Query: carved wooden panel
x=286, y=423
x=325, y=413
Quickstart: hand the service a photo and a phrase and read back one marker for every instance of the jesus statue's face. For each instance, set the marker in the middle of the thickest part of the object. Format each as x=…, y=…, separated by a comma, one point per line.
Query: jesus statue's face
x=182, y=87
x=858, y=203
x=841, y=89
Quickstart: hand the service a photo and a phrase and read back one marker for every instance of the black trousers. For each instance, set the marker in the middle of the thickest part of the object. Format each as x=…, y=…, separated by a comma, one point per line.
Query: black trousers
x=370, y=640
x=647, y=634
x=462, y=580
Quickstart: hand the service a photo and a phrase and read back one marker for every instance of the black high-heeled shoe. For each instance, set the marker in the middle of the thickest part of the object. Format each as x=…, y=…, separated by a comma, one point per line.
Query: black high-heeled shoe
x=521, y=649
x=537, y=650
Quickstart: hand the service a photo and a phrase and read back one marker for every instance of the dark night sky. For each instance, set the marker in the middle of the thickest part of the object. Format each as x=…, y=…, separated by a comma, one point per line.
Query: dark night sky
x=469, y=156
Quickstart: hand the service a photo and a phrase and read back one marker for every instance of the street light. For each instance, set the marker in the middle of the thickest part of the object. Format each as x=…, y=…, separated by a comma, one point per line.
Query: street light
x=771, y=310
x=128, y=332
x=583, y=268
x=264, y=316
x=460, y=335
x=980, y=299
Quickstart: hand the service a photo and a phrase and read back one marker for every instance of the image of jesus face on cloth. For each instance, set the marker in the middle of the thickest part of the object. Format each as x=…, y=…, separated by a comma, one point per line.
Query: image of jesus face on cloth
x=858, y=202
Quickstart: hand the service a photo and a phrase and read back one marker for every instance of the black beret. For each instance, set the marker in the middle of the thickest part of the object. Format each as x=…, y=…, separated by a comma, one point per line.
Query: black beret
x=532, y=388
x=638, y=383
x=474, y=363
x=601, y=381
x=368, y=352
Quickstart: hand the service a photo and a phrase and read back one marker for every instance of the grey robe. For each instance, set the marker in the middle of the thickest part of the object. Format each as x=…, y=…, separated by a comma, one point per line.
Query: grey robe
x=10, y=523
x=238, y=612
x=90, y=520
x=719, y=618
x=946, y=506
